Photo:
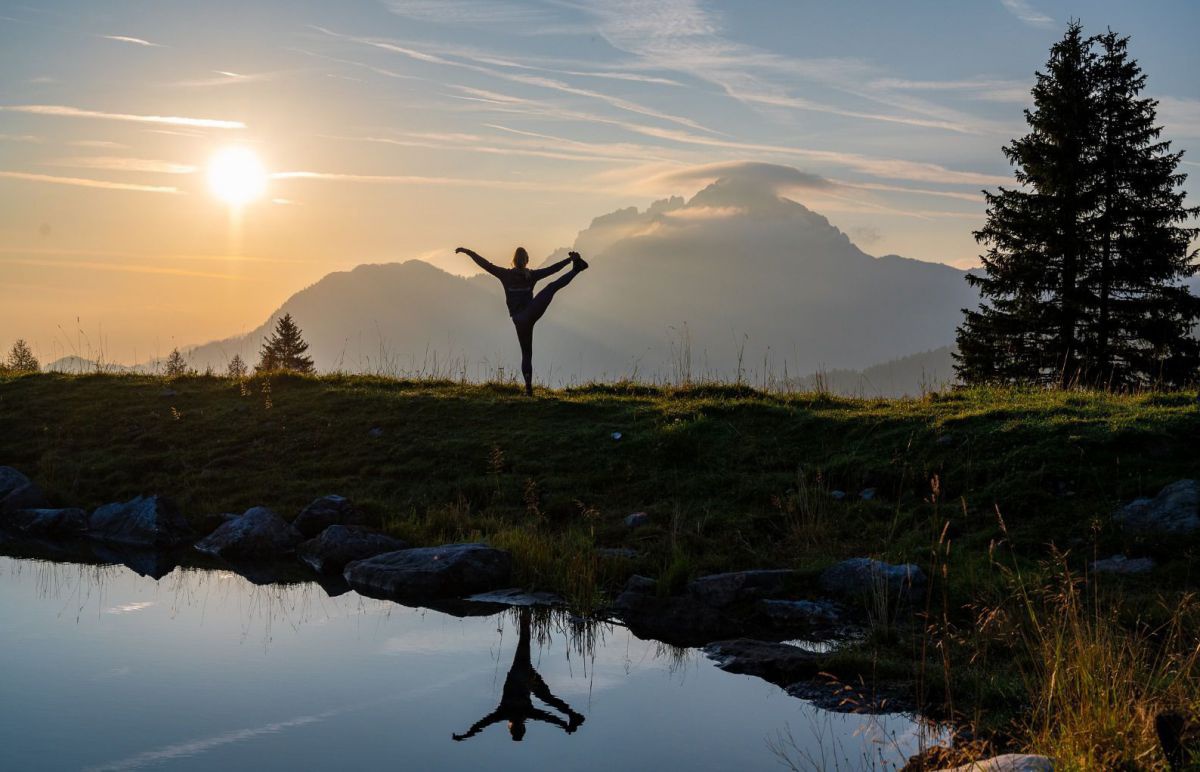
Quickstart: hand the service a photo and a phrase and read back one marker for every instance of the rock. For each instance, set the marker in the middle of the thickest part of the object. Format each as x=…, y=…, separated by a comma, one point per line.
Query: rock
x=338, y=545
x=837, y=697
x=867, y=494
x=18, y=492
x=677, y=619
x=637, y=519
x=1119, y=564
x=800, y=613
x=623, y=553
x=1009, y=762
x=779, y=663
x=1175, y=510
x=721, y=590
x=209, y=523
x=258, y=534
x=863, y=576
x=375, y=432
x=837, y=495
x=49, y=522
x=324, y=512
x=451, y=570
x=517, y=597
x=640, y=585
x=148, y=521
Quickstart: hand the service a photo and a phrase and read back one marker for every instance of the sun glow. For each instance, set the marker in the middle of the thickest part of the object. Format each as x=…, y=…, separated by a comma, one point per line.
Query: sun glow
x=237, y=176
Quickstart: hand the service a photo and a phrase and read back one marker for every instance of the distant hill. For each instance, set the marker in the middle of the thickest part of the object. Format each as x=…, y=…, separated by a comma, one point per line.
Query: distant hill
x=737, y=278
x=908, y=376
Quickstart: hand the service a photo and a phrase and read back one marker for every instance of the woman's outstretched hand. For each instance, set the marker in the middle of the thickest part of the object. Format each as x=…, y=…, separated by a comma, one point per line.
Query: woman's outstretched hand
x=573, y=255
x=462, y=251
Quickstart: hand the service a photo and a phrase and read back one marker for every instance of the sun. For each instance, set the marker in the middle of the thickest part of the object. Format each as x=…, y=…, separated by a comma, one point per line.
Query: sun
x=237, y=176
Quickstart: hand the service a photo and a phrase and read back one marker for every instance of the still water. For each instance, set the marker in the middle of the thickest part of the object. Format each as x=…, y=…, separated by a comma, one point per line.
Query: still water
x=103, y=669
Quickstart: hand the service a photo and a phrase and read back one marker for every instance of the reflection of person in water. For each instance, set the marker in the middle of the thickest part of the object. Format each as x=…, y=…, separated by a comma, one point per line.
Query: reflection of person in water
x=516, y=703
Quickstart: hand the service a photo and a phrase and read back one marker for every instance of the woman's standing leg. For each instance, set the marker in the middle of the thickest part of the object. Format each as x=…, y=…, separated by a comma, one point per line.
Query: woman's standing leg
x=525, y=338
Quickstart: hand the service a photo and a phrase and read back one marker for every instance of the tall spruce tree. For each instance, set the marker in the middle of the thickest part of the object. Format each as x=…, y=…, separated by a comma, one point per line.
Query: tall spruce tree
x=1025, y=332
x=1085, y=260
x=284, y=350
x=1144, y=317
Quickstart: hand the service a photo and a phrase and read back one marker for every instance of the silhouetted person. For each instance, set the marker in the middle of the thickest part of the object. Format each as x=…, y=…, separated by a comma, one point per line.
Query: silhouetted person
x=524, y=307
x=516, y=703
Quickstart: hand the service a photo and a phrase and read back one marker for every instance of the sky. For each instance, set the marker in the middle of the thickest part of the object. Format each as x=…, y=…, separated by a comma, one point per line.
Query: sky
x=399, y=129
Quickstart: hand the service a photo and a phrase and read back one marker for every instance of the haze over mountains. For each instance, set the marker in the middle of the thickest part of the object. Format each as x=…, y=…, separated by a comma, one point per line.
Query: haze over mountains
x=737, y=276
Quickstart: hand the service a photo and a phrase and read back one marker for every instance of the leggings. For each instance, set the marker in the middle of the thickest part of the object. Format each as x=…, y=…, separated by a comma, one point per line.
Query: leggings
x=528, y=316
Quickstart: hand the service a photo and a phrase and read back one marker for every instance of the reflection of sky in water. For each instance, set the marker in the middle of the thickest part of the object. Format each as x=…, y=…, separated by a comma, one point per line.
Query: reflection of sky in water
x=104, y=669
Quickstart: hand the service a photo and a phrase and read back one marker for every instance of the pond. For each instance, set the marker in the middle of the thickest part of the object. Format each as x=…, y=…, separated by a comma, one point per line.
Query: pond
x=105, y=669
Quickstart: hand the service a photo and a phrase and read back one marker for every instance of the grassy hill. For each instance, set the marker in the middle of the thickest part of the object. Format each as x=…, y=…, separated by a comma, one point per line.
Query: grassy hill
x=996, y=493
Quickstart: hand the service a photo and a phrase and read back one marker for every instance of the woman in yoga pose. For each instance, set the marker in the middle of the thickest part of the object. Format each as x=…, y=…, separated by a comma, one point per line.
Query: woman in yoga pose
x=524, y=307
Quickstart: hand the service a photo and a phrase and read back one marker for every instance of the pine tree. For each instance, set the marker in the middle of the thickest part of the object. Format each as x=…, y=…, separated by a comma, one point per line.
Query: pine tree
x=1025, y=331
x=237, y=367
x=21, y=359
x=284, y=350
x=1084, y=259
x=175, y=365
x=1144, y=317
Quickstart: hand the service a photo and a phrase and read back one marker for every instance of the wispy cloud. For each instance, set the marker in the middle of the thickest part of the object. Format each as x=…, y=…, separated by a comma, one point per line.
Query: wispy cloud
x=64, y=111
x=536, y=81
x=226, y=78
x=155, y=270
x=132, y=40
x=87, y=183
x=460, y=182
x=470, y=12
x=20, y=138
x=97, y=143
x=685, y=36
x=120, y=164
x=772, y=176
x=1025, y=11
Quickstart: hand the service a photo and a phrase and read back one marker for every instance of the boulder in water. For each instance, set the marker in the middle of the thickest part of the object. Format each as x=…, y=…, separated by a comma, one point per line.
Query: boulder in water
x=338, y=545
x=149, y=521
x=448, y=571
x=18, y=492
x=327, y=511
x=258, y=534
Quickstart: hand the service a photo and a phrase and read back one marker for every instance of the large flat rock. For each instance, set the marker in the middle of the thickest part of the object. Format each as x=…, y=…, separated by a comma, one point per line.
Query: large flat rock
x=258, y=534
x=448, y=571
x=721, y=590
x=1174, y=511
x=327, y=511
x=338, y=545
x=149, y=521
x=18, y=492
x=57, y=523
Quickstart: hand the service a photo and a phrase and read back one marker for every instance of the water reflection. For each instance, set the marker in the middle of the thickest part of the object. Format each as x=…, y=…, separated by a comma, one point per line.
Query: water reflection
x=522, y=684
x=214, y=671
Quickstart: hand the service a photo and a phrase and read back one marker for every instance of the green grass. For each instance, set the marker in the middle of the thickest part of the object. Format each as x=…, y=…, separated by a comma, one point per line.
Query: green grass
x=732, y=478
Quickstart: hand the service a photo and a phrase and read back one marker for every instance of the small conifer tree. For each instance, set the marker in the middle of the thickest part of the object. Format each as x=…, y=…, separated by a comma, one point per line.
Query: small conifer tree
x=21, y=359
x=284, y=350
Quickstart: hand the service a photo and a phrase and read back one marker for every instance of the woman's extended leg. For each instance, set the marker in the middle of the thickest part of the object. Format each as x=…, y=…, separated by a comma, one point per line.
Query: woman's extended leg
x=541, y=301
x=525, y=338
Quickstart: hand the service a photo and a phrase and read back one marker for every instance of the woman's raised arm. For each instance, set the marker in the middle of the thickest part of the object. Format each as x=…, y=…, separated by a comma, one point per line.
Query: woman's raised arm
x=481, y=262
